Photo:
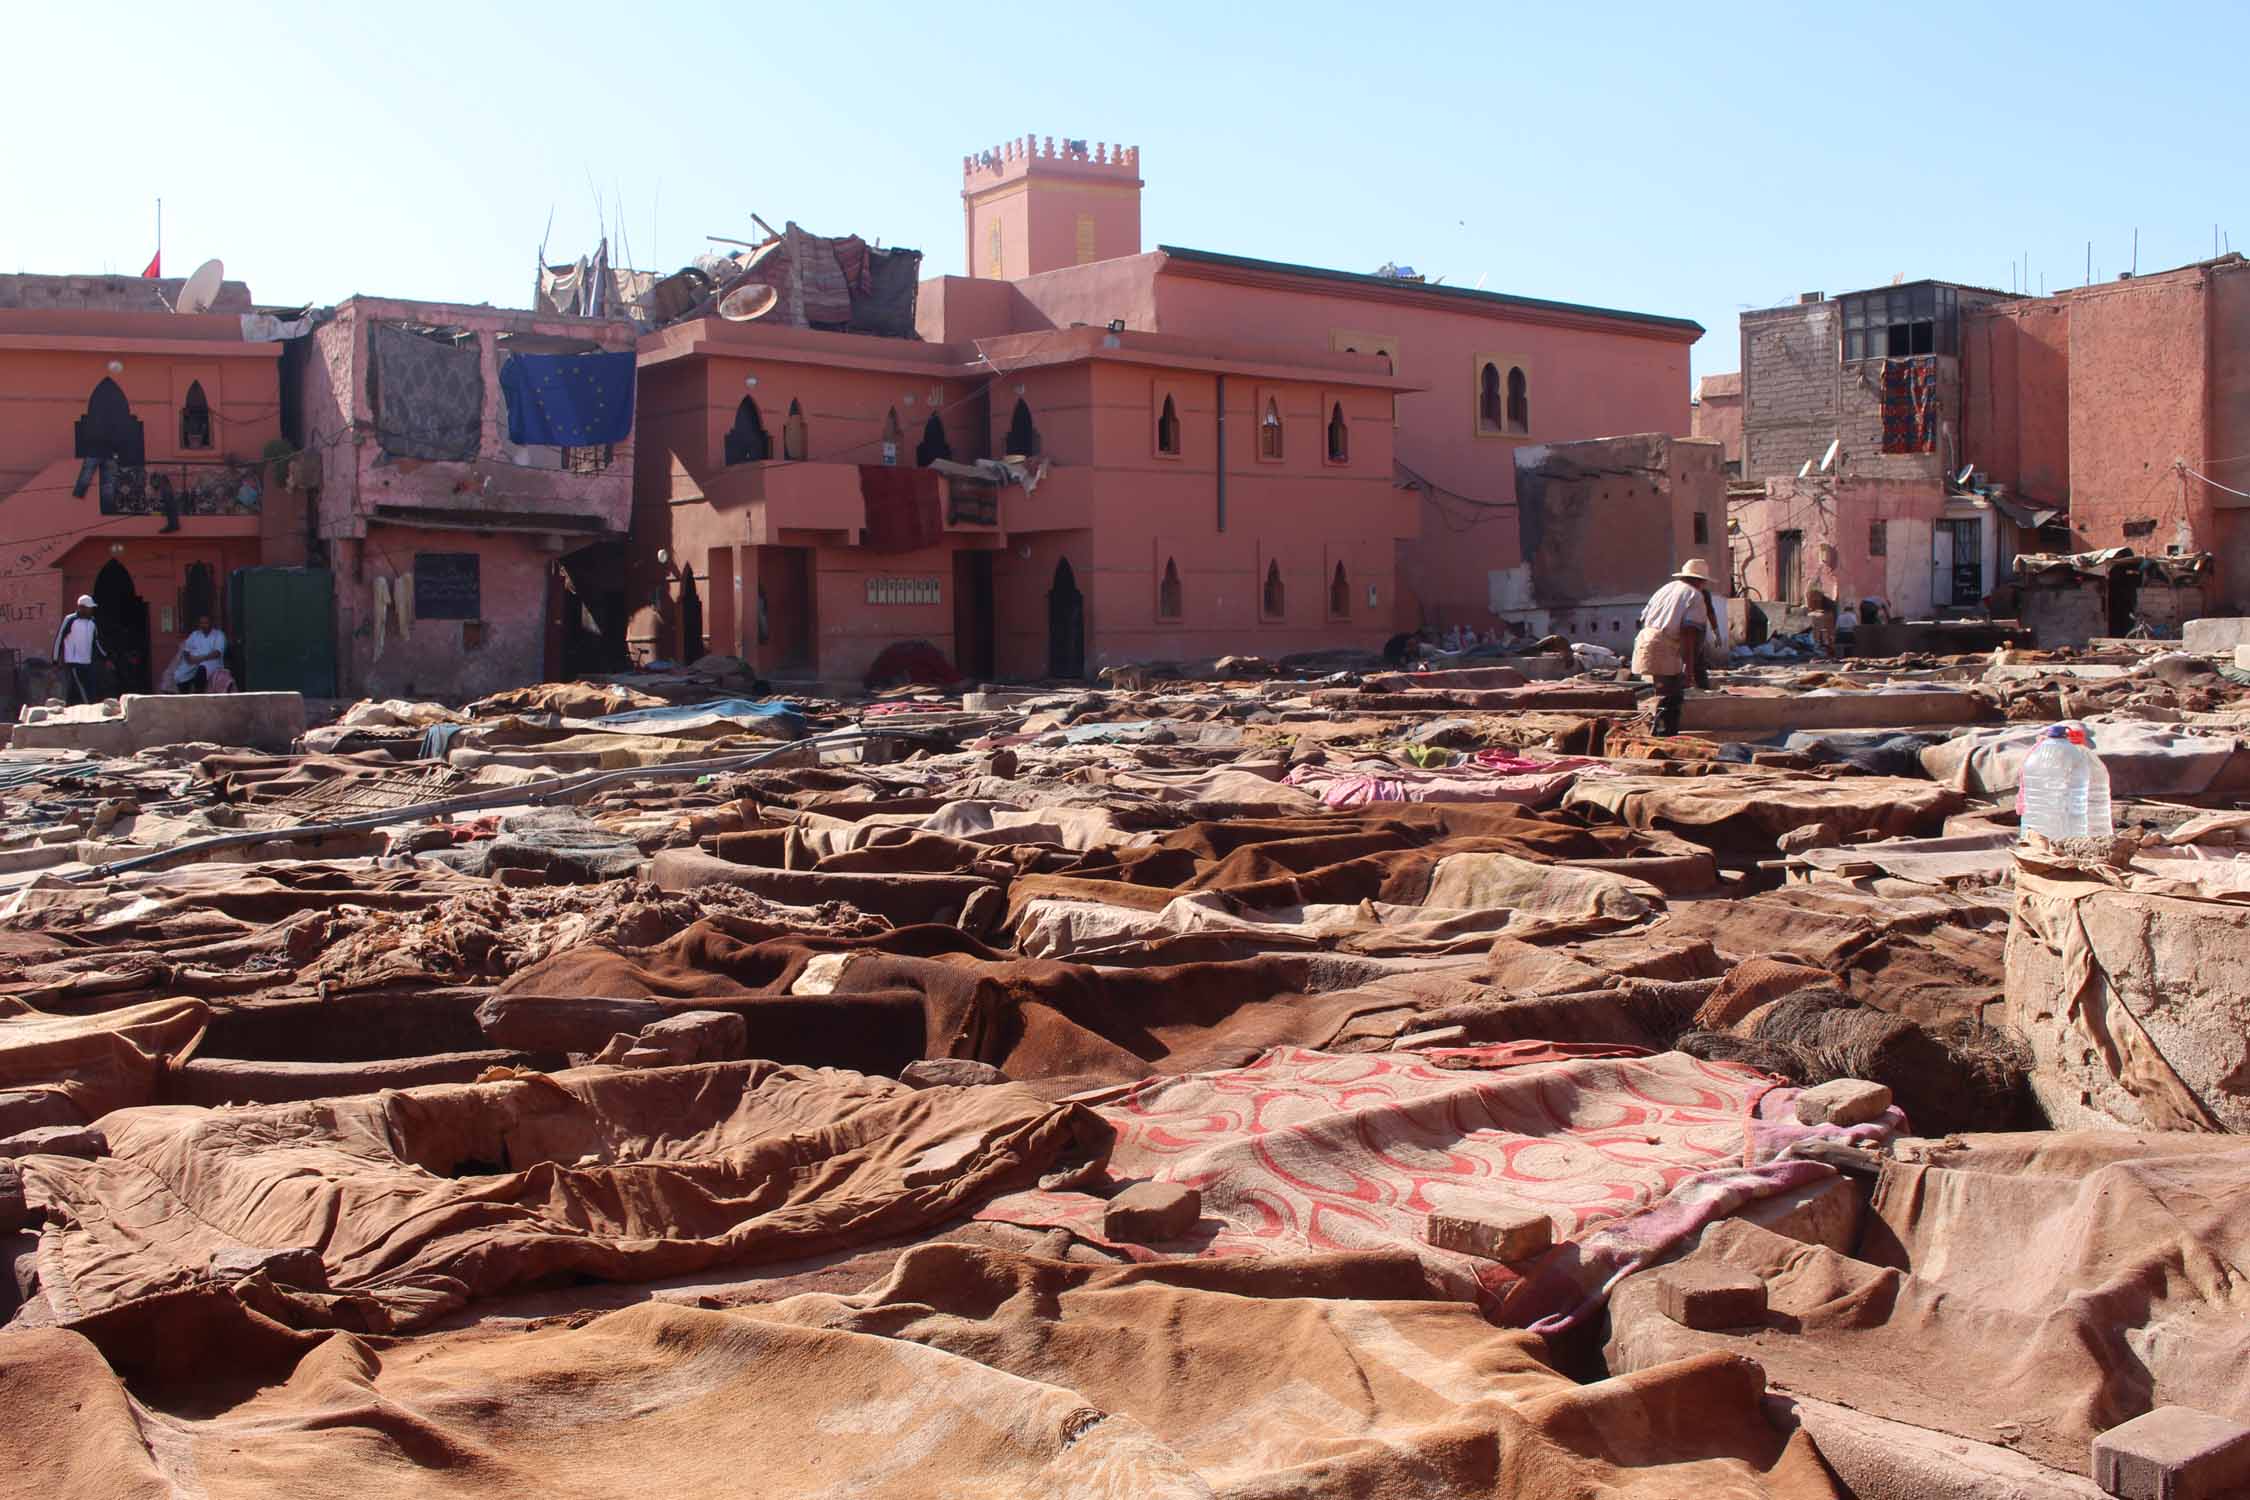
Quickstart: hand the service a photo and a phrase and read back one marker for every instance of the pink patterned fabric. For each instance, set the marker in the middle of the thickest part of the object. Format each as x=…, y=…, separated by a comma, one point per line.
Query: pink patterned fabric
x=1313, y=1151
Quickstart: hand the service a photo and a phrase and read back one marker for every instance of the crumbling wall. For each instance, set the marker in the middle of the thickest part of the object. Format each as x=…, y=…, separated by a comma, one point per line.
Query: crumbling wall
x=2064, y=614
x=1612, y=518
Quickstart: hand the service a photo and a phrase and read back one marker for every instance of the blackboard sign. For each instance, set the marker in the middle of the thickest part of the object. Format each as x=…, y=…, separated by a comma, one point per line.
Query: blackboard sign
x=447, y=586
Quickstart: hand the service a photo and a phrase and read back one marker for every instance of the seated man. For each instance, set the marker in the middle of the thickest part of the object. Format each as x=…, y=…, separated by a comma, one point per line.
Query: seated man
x=200, y=653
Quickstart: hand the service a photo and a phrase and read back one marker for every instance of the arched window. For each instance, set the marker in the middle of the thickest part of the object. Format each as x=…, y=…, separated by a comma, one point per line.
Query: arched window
x=1168, y=592
x=793, y=433
x=109, y=430
x=1269, y=431
x=1023, y=437
x=892, y=437
x=195, y=418
x=1492, y=413
x=1339, y=436
x=1168, y=428
x=933, y=445
x=1519, y=401
x=1275, y=597
x=747, y=442
x=1340, y=594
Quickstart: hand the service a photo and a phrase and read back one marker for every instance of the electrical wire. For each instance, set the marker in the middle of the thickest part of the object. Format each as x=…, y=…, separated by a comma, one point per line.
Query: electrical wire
x=2207, y=479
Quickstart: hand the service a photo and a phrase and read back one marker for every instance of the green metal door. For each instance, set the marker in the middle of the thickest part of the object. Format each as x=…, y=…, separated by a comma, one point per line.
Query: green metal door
x=284, y=625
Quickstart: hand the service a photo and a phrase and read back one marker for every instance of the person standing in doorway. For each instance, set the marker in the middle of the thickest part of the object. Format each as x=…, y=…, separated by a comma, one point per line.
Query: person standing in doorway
x=200, y=655
x=1670, y=645
x=78, y=646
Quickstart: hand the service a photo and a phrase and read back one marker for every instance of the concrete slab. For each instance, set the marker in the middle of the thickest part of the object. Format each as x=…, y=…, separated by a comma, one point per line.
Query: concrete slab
x=257, y=721
x=1771, y=715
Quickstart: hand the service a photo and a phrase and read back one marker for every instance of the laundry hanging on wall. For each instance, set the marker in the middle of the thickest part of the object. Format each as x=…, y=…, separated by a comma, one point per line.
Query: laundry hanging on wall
x=569, y=400
x=1910, y=406
x=428, y=395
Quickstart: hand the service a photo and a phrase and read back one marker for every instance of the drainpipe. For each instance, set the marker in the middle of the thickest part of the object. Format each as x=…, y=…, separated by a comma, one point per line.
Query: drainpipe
x=1222, y=429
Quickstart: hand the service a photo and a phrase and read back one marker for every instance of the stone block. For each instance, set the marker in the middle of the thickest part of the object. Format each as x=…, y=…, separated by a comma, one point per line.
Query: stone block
x=951, y=1072
x=2173, y=1453
x=1707, y=1297
x=2216, y=635
x=1845, y=1101
x=1807, y=836
x=56, y=1140
x=1150, y=1212
x=1506, y=1235
x=694, y=1036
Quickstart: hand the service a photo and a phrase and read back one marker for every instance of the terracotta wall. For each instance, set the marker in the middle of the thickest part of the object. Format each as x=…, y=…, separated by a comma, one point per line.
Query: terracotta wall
x=1719, y=418
x=2140, y=384
x=43, y=393
x=2016, y=400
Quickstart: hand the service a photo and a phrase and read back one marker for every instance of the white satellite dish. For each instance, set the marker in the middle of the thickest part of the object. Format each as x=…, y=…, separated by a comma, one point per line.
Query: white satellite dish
x=1828, y=459
x=747, y=302
x=1806, y=471
x=201, y=289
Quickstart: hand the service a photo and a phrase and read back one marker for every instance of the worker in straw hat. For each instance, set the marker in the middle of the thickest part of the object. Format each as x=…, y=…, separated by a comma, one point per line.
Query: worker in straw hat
x=1679, y=618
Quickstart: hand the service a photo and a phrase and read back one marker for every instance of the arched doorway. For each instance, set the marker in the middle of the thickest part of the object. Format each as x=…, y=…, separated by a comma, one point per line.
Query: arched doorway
x=691, y=618
x=1066, y=624
x=122, y=616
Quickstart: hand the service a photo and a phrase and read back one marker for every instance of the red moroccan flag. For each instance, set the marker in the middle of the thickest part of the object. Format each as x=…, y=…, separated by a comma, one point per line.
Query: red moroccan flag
x=155, y=265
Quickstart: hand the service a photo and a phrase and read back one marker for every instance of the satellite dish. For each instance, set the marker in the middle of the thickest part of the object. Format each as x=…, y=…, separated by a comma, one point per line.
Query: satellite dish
x=201, y=289
x=1828, y=459
x=1806, y=471
x=747, y=302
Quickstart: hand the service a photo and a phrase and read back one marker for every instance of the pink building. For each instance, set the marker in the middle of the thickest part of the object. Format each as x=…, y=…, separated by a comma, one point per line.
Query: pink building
x=464, y=562
x=785, y=478
x=2128, y=404
x=132, y=447
x=1223, y=454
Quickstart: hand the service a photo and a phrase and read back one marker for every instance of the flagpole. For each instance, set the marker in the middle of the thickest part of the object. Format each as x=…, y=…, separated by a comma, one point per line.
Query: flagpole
x=160, y=237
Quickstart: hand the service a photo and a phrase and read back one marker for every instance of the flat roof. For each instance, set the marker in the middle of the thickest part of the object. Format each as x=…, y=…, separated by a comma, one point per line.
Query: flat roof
x=1368, y=281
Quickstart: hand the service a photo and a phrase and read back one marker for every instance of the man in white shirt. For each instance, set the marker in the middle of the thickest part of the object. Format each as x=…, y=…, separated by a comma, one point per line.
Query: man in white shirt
x=1670, y=644
x=199, y=653
x=78, y=645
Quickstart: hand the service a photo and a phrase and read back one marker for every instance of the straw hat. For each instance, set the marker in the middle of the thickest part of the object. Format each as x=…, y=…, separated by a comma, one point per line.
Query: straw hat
x=1694, y=570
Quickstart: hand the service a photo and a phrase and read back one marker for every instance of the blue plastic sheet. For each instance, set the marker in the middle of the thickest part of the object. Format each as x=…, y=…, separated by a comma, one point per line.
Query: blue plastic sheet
x=776, y=714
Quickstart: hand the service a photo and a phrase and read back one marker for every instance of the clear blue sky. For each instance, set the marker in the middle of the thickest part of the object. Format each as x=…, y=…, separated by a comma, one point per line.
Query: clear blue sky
x=1678, y=159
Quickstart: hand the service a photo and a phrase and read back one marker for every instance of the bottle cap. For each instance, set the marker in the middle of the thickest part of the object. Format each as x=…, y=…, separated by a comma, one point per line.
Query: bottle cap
x=2056, y=732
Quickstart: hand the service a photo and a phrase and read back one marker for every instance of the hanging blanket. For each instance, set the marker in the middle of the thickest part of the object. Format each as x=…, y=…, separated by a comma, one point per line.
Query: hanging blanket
x=569, y=400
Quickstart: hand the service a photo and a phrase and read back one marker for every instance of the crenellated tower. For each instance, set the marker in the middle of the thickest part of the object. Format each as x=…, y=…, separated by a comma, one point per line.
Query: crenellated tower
x=1033, y=204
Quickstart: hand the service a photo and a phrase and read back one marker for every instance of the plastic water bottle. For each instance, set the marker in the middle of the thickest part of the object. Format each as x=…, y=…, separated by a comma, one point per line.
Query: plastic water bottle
x=2100, y=818
x=2053, y=787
